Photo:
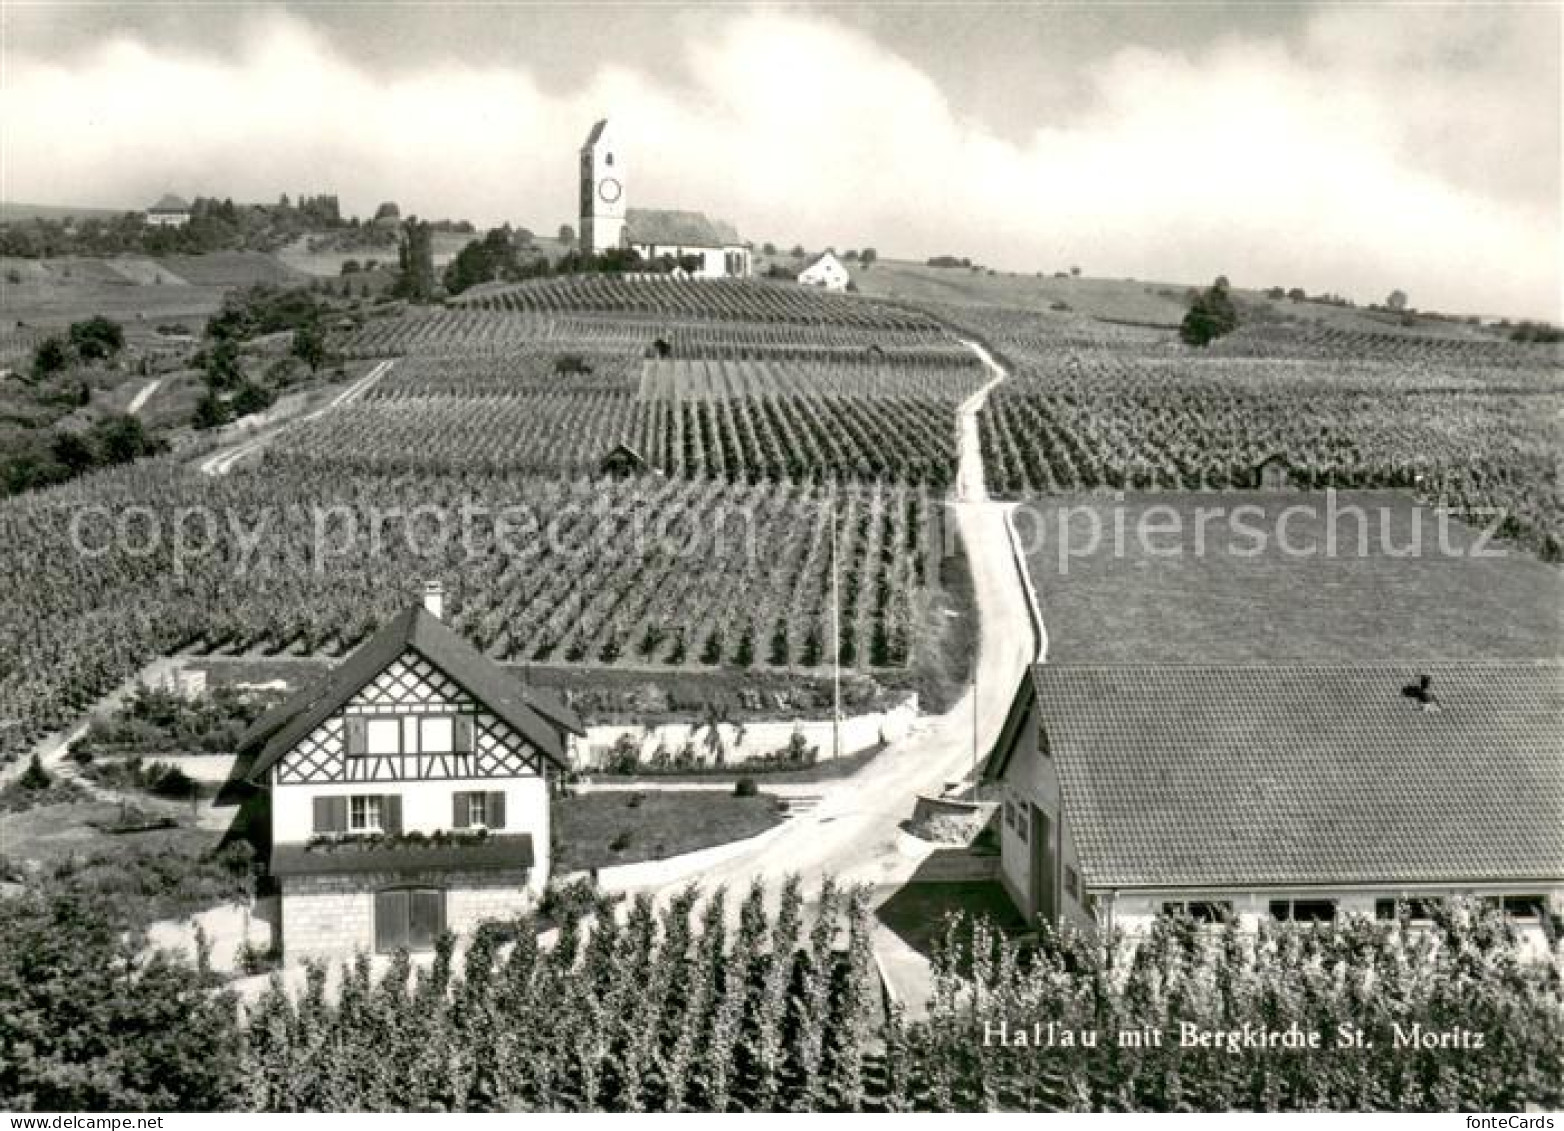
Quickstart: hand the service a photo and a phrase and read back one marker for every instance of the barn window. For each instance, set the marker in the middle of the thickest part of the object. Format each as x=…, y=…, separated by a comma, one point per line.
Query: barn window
x=1201, y=910
x=408, y=918
x=1303, y=910
x=383, y=736
x=1419, y=910
x=1525, y=907
x=364, y=813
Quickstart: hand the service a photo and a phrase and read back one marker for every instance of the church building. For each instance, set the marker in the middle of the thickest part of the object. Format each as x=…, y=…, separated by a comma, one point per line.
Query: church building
x=702, y=247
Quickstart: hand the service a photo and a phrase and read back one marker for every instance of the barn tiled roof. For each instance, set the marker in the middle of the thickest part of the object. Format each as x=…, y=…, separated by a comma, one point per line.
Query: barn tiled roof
x=673, y=228
x=1228, y=776
x=403, y=858
x=168, y=202
x=535, y=713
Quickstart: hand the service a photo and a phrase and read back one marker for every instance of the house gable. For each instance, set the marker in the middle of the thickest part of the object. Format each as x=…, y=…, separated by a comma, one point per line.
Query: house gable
x=411, y=687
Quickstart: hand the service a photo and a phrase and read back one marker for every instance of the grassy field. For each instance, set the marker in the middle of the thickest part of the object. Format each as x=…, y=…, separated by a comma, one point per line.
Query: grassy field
x=598, y=830
x=1170, y=598
x=1113, y=299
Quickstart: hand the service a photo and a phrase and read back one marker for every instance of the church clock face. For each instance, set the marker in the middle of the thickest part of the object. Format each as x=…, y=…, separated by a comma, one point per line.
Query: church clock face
x=608, y=189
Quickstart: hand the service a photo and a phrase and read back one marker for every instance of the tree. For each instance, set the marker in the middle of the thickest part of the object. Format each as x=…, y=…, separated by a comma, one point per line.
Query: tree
x=121, y=438
x=415, y=258
x=567, y=234
x=769, y=248
x=72, y=451
x=1211, y=315
x=94, y=1022
x=1397, y=301
x=35, y=777
x=309, y=345
x=867, y=257
x=1075, y=272
x=798, y=251
x=97, y=338
x=211, y=411
x=221, y=364
x=52, y=356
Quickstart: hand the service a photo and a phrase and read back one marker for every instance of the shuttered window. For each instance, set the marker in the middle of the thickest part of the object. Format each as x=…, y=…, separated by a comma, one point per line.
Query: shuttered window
x=331, y=815
x=408, y=918
x=461, y=739
x=478, y=810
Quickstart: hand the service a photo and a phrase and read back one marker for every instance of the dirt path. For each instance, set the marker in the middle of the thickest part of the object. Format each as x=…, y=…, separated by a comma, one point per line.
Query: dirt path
x=141, y=398
x=854, y=834
x=224, y=460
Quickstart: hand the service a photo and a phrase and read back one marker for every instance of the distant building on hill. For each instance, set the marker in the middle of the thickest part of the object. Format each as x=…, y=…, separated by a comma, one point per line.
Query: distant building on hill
x=826, y=271
x=1274, y=474
x=169, y=212
x=703, y=247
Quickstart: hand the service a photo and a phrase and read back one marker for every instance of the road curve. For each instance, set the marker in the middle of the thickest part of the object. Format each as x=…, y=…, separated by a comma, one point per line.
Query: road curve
x=854, y=834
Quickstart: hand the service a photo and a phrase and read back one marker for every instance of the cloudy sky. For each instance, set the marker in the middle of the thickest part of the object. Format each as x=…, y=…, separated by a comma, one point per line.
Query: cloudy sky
x=1353, y=149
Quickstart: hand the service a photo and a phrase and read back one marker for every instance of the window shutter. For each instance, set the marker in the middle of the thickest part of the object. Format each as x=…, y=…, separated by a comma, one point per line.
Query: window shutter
x=358, y=735
x=390, y=920
x=496, y=810
x=339, y=814
x=391, y=813
x=323, y=815
x=462, y=734
x=459, y=811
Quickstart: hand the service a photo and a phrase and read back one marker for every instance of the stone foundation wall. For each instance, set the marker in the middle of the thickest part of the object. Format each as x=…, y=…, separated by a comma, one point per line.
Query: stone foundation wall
x=332, y=917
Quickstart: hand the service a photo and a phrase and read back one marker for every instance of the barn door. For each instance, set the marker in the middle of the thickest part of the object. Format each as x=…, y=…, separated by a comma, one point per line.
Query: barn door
x=1044, y=895
x=410, y=918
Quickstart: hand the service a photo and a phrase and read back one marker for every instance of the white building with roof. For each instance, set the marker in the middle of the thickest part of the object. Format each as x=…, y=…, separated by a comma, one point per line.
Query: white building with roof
x=825, y=271
x=169, y=212
x=703, y=247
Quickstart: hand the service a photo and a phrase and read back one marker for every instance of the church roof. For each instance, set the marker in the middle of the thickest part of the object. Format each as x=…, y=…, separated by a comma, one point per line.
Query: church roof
x=669, y=227
x=597, y=133
x=535, y=713
x=168, y=202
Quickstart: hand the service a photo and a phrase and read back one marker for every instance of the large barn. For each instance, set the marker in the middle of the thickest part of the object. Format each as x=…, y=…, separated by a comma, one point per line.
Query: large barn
x=689, y=241
x=1287, y=791
x=409, y=792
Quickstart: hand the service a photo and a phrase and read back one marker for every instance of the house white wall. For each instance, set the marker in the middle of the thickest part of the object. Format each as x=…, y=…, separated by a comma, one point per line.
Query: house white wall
x=714, y=260
x=828, y=272
x=168, y=219
x=427, y=807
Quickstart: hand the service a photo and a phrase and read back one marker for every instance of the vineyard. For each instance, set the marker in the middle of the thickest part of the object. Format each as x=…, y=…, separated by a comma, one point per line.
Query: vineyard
x=1462, y=422
x=303, y=562
x=724, y=299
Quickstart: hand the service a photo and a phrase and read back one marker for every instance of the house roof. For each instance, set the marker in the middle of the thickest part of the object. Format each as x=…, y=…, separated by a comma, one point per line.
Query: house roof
x=535, y=713
x=1305, y=774
x=819, y=259
x=674, y=228
x=493, y=852
x=168, y=202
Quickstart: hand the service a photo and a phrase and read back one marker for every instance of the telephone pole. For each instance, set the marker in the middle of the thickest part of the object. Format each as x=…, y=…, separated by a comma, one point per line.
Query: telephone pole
x=836, y=642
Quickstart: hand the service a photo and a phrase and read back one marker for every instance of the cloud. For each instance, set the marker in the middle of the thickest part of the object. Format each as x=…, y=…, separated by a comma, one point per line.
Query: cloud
x=1374, y=152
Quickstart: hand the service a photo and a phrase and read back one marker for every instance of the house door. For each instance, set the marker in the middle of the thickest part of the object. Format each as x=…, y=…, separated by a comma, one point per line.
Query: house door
x=1043, y=895
x=408, y=918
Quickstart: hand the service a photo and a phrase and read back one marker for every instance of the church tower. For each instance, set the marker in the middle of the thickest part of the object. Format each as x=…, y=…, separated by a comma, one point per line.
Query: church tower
x=602, y=191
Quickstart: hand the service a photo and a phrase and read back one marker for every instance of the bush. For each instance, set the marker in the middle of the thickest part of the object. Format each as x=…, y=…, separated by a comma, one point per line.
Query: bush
x=35, y=777
x=620, y=842
x=746, y=787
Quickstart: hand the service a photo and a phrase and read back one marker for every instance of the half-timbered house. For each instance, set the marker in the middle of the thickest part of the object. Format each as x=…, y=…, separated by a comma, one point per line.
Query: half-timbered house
x=409, y=792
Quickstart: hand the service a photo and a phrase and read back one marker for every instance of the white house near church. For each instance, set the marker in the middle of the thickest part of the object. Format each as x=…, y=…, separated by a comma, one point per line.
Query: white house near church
x=703, y=247
x=409, y=792
x=169, y=212
x=826, y=271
